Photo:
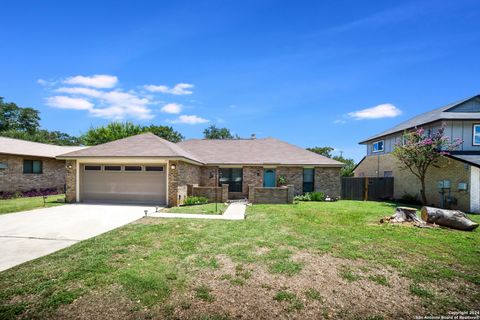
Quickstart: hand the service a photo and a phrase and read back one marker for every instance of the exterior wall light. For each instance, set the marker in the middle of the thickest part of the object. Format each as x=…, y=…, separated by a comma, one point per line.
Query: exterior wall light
x=173, y=166
x=69, y=166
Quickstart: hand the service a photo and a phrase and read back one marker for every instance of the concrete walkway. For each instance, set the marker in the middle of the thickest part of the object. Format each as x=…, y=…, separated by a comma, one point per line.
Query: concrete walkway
x=235, y=211
x=32, y=234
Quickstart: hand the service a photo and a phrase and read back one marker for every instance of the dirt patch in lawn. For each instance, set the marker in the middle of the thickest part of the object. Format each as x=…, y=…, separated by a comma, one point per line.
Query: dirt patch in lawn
x=107, y=304
x=326, y=287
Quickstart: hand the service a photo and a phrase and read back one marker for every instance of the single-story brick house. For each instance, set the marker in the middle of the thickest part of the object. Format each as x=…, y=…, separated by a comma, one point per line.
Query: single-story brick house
x=146, y=168
x=26, y=165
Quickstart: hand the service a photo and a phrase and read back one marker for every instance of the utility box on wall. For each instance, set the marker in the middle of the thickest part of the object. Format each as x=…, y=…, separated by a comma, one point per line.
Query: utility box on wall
x=443, y=184
x=463, y=186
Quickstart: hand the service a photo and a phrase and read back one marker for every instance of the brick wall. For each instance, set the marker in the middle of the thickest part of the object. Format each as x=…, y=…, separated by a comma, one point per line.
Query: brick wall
x=213, y=194
x=13, y=179
x=279, y=195
x=328, y=181
x=208, y=176
x=294, y=176
x=71, y=178
x=406, y=182
x=178, y=179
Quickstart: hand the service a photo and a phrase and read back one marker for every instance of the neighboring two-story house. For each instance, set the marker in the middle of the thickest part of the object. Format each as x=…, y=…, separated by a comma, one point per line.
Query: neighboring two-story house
x=456, y=183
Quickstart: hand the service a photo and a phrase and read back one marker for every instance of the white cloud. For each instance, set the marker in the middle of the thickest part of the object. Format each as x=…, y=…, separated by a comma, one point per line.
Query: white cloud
x=64, y=102
x=96, y=81
x=46, y=83
x=81, y=91
x=173, y=108
x=339, y=121
x=178, y=89
x=385, y=110
x=189, y=119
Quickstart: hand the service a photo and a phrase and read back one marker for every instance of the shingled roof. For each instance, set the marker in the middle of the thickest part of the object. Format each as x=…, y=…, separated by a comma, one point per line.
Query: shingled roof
x=142, y=145
x=449, y=112
x=35, y=149
x=267, y=151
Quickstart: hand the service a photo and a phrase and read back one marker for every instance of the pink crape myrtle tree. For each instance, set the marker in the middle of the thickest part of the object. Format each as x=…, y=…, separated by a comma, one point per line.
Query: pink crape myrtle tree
x=418, y=151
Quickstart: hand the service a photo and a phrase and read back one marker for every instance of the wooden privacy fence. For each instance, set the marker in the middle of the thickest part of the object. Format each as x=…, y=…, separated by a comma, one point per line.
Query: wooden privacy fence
x=367, y=188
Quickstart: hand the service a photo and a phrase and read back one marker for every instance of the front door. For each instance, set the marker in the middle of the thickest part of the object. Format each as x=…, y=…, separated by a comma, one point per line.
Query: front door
x=269, y=178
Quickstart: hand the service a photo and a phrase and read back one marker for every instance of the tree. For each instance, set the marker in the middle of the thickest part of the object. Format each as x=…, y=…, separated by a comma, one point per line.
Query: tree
x=347, y=169
x=119, y=130
x=43, y=136
x=418, y=152
x=13, y=117
x=324, y=151
x=213, y=132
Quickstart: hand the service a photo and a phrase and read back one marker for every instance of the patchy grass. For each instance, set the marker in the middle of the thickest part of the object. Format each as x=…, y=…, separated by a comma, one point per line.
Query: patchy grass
x=208, y=208
x=157, y=267
x=30, y=203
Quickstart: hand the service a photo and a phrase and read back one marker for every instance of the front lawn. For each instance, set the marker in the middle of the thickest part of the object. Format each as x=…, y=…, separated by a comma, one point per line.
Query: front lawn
x=22, y=204
x=304, y=261
x=208, y=208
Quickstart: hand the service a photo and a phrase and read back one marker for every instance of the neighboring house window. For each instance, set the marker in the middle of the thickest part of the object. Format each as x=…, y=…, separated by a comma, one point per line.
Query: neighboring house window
x=232, y=177
x=378, y=146
x=3, y=166
x=308, y=179
x=476, y=134
x=388, y=174
x=32, y=166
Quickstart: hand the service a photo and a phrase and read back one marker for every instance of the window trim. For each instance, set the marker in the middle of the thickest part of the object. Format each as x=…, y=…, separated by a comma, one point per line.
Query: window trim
x=473, y=134
x=159, y=166
x=112, y=165
x=383, y=146
x=133, y=165
x=303, y=179
x=92, y=165
x=33, y=160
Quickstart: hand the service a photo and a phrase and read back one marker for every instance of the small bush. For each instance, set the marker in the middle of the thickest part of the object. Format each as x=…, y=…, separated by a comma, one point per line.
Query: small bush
x=311, y=196
x=190, y=201
x=408, y=198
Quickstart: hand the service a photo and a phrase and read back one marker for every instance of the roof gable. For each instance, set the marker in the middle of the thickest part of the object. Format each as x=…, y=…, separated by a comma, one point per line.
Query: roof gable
x=453, y=111
x=142, y=145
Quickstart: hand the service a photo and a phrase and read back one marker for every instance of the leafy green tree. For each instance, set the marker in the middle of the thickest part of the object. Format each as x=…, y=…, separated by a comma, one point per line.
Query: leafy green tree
x=13, y=117
x=43, y=136
x=119, y=130
x=324, y=151
x=347, y=170
x=213, y=132
x=418, y=152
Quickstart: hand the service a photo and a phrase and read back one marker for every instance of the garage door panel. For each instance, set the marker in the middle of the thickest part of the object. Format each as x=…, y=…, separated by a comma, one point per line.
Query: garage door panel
x=123, y=186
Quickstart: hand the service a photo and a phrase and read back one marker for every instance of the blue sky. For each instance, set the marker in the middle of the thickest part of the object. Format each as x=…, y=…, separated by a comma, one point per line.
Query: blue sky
x=301, y=71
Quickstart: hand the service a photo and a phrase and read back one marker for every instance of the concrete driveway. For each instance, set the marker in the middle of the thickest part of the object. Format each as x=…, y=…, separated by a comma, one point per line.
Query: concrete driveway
x=32, y=234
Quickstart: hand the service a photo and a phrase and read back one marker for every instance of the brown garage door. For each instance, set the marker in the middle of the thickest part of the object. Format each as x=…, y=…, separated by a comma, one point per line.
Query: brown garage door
x=136, y=183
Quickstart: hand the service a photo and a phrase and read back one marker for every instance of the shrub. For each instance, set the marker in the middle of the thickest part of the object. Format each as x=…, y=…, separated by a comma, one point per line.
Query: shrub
x=311, y=196
x=408, y=198
x=29, y=193
x=189, y=201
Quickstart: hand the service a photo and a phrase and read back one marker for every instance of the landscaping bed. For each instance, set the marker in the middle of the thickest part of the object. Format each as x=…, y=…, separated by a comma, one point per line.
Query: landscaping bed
x=208, y=208
x=308, y=260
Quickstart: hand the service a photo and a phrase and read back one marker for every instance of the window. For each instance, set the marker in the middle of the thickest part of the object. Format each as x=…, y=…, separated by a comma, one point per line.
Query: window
x=388, y=174
x=308, y=179
x=92, y=168
x=133, y=168
x=232, y=177
x=476, y=135
x=113, y=168
x=32, y=166
x=153, y=168
x=377, y=146
x=3, y=165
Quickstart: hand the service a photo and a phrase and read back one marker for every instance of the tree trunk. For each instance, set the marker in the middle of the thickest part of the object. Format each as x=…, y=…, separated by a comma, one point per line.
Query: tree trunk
x=405, y=214
x=449, y=218
x=422, y=191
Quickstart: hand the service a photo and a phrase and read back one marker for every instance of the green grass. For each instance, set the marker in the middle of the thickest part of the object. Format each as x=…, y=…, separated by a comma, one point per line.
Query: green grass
x=22, y=204
x=152, y=261
x=208, y=208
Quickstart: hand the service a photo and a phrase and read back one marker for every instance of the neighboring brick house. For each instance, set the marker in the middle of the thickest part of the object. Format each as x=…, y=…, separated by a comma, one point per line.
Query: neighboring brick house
x=146, y=168
x=26, y=165
x=459, y=173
